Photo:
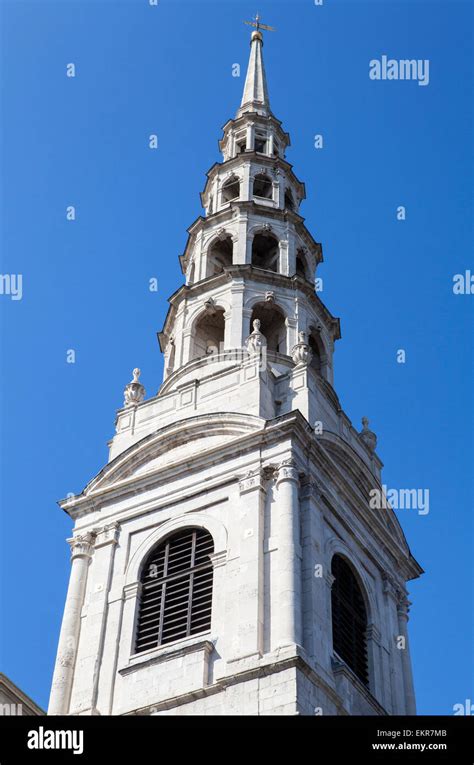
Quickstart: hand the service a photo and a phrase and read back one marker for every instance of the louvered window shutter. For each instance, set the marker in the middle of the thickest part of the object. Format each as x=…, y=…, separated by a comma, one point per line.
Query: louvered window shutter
x=176, y=598
x=349, y=619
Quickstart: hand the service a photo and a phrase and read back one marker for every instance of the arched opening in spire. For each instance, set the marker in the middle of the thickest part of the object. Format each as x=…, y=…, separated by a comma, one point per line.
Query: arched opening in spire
x=230, y=189
x=241, y=142
x=289, y=201
x=273, y=325
x=220, y=255
x=262, y=187
x=301, y=264
x=261, y=142
x=265, y=252
x=208, y=334
x=318, y=362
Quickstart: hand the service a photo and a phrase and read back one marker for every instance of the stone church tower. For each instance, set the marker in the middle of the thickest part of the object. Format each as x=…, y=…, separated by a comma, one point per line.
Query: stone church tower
x=226, y=560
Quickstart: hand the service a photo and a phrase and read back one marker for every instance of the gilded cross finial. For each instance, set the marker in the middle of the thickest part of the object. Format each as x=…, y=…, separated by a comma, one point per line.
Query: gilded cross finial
x=258, y=26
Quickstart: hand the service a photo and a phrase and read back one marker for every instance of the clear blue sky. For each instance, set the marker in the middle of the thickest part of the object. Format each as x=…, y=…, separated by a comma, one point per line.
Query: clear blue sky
x=83, y=142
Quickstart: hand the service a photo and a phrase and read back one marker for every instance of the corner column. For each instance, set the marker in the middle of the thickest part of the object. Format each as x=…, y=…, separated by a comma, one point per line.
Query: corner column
x=91, y=655
x=403, y=608
x=81, y=553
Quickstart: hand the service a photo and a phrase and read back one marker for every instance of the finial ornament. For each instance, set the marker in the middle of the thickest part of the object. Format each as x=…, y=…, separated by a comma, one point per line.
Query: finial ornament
x=134, y=392
x=368, y=436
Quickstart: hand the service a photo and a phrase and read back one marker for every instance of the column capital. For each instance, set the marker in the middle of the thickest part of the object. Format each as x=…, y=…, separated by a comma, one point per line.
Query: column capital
x=287, y=471
x=403, y=607
x=82, y=545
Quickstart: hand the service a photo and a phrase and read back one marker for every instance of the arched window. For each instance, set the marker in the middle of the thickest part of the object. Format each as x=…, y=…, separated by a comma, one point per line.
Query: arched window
x=262, y=186
x=349, y=619
x=176, y=596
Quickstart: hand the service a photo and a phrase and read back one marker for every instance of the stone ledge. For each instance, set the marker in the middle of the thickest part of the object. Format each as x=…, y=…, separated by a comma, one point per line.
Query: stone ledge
x=167, y=653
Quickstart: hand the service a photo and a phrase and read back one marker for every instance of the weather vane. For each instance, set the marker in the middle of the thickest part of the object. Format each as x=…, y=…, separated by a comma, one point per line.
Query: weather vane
x=256, y=23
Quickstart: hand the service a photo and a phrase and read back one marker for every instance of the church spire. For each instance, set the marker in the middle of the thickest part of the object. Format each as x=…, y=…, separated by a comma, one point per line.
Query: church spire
x=255, y=96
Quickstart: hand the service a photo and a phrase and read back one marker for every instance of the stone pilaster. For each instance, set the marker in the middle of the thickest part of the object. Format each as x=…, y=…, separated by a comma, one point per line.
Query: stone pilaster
x=252, y=507
x=392, y=593
x=289, y=555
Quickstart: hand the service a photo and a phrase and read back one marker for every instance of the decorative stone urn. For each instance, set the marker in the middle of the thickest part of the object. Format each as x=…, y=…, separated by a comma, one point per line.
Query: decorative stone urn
x=368, y=436
x=301, y=353
x=134, y=392
x=256, y=342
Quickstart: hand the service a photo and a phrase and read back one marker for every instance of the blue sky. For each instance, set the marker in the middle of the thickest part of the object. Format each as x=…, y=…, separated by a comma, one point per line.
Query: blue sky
x=83, y=141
